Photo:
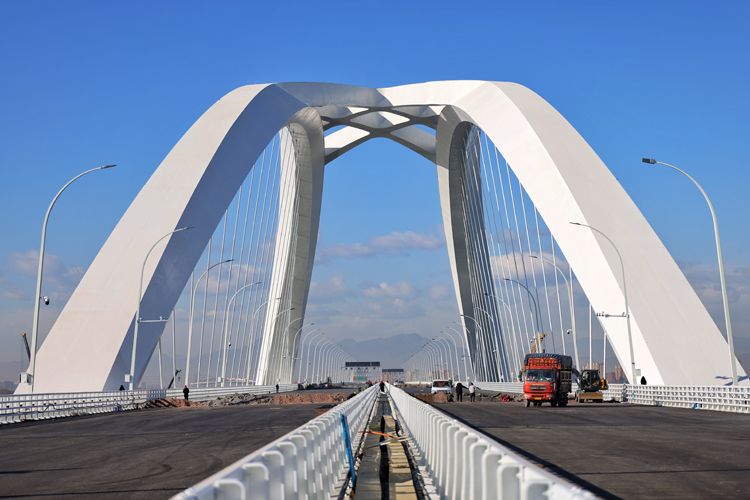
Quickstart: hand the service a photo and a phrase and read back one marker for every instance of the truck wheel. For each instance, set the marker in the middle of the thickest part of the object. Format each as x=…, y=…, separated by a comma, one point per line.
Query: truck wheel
x=564, y=402
x=553, y=403
x=528, y=403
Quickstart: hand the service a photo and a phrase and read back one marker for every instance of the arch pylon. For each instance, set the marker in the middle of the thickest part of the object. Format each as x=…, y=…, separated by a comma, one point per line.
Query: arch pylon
x=88, y=348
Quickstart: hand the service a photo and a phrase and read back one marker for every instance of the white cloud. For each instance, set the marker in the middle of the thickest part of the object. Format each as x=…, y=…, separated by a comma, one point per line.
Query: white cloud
x=59, y=278
x=391, y=243
x=333, y=290
x=400, y=289
x=438, y=292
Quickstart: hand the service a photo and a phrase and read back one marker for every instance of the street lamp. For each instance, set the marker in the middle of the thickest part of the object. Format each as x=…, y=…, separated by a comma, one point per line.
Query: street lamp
x=536, y=309
x=494, y=338
x=252, y=336
x=294, y=347
x=626, y=314
x=285, y=343
x=131, y=378
x=226, y=336
x=722, y=278
x=480, y=328
x=569, y=286
x=29, y=378
x=455, y=352
x=270, y=354
x=316, y=355
x=512, y=326
x=466, y=370
x=192, y=308
x=310, y=338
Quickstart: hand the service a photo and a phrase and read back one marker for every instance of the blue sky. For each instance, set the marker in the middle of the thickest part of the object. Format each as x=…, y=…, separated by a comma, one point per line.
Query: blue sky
x=86, y=83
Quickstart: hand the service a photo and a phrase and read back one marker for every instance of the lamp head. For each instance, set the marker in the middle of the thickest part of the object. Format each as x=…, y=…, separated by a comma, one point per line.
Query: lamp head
x=650, y=161
x=104, y=167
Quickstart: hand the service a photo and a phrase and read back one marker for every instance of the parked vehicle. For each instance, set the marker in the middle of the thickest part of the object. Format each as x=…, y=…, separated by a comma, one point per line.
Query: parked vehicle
x=547, y=378
x=441, y=386
x=590, y=386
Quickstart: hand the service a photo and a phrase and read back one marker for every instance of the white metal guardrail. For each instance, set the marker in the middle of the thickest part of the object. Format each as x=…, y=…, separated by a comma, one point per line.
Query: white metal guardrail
x=719, y=398
x=208, y=393
x=468, y=465
x=309, y=462
x=510, y=387
x=22, y=407
x=615, y=392
x=734, y=399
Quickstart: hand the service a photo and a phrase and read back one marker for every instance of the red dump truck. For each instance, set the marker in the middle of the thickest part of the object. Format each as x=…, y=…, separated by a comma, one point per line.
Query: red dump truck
x=546, y=378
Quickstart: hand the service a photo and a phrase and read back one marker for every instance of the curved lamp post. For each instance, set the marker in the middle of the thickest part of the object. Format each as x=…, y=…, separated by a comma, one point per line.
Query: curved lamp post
x=722, y=278
x=455, y=352
x=536, y=310
x=253, y=322
x=40, y=269
x=310, y=338
x=625, y=294
x=494, y=339
x=512, y=325
x=569, y=286
x=480, y=328
x=138, y=320
x=275, y=319
x=192, y=308
x=225, y=337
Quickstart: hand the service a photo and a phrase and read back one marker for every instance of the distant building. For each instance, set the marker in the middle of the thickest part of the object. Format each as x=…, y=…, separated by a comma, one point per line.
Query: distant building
x=362, y=371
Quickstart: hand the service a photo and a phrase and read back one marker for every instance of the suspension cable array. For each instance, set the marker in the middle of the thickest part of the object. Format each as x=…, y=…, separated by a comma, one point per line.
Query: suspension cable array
x=239, y=294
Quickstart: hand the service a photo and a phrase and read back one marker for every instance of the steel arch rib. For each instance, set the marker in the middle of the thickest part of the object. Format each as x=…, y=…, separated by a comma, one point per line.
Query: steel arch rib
x=675, y=340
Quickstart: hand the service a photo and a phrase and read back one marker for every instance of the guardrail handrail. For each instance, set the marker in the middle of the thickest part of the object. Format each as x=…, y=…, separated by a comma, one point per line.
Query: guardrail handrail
x=308, y=462
x=466, y=464
x=734, y=399
x=16, y=408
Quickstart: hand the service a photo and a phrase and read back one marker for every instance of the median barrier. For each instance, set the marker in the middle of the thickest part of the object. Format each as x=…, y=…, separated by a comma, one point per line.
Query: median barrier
x=466, y=464
x=309, y=462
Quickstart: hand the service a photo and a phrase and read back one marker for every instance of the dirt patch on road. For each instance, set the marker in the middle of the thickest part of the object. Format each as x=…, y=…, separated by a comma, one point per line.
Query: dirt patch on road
x=440, y=397
x=294, y=398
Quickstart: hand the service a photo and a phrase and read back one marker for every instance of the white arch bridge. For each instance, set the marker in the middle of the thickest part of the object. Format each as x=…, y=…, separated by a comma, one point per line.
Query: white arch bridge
x=247, y=177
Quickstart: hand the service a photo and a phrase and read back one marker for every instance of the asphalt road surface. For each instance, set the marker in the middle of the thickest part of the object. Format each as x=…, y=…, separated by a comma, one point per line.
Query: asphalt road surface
x=625, y=451
x=140, y=454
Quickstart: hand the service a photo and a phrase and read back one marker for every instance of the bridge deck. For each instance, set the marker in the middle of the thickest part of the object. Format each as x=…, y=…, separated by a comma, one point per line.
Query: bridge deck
x=626, y=451
x=140, y=454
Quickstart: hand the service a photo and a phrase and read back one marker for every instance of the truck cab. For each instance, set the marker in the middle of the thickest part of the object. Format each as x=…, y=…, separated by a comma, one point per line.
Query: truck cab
x=547, y=379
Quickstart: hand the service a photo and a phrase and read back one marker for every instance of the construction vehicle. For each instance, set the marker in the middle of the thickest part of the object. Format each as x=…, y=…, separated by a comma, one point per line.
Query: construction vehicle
x=590, y=386
x=547, y=378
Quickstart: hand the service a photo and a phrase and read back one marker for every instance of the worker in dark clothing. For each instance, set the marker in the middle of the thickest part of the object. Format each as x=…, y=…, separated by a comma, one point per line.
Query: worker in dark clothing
x=122, y=387
x=382, y=386
x=459, y=391
x=643, y=380
x=186, y=392
x=277, y=388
